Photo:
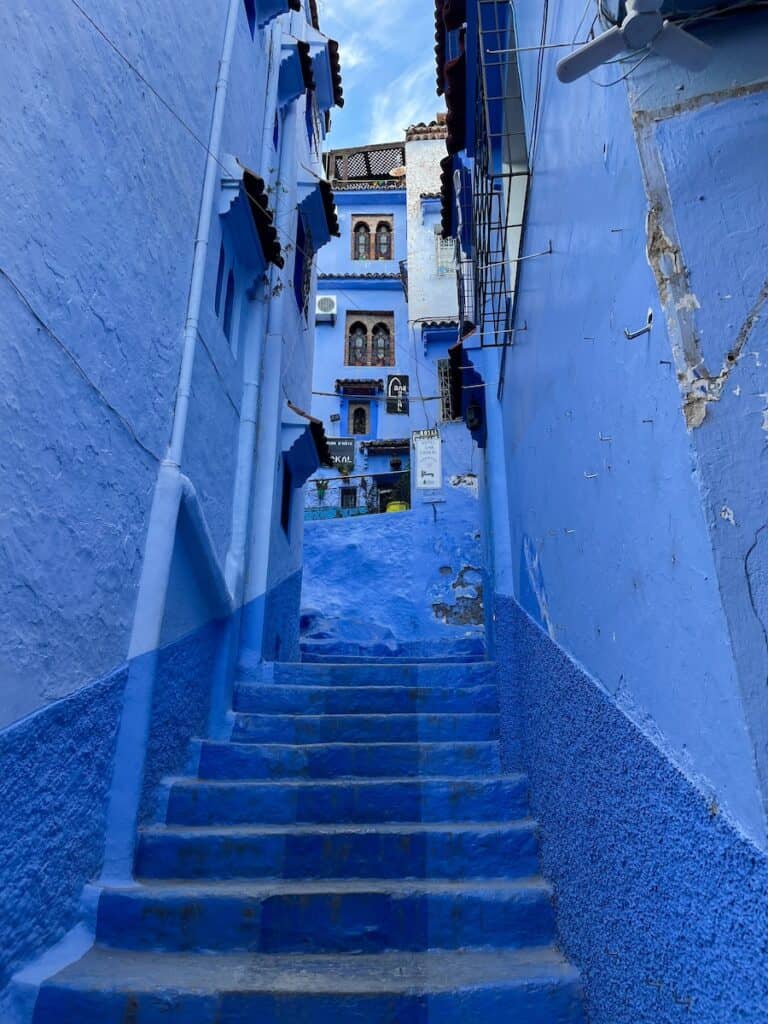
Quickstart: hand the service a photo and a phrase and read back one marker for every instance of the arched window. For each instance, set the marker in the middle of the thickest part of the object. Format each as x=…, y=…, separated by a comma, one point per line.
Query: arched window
x=229, y=305
x=358, y=345
x=384, y=242
x=362, y=242
x=359, y=419
x=382, y=346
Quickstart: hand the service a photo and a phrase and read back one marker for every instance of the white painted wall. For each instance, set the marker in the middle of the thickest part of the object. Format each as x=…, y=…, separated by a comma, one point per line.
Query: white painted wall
x=430, y=295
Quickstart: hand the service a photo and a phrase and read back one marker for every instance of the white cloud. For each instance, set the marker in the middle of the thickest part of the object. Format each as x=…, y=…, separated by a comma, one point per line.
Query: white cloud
x=403, y=102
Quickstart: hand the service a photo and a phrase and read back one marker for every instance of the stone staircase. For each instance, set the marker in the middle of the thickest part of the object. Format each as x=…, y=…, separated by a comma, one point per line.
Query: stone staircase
x=352, y=854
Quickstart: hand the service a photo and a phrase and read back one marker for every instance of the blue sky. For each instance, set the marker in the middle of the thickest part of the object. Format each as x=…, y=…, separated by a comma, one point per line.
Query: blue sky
x=387, y=66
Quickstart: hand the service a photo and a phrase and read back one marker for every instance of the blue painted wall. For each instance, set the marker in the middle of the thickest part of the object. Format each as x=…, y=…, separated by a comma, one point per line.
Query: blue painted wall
x=103, y=166
x=623, y=546
x=661, y=902
x=360, y=587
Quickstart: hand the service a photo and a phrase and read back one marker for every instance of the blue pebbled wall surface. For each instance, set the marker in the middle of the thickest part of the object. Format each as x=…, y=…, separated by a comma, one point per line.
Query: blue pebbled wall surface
x=55, y=769
x=662, y=901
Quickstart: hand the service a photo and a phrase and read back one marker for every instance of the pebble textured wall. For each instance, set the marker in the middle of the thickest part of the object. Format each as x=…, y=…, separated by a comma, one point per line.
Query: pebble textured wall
x=662, y=903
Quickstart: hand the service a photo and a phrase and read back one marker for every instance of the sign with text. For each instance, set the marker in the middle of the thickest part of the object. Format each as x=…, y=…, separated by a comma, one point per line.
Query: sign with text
x=397, y=393
x=428, y=458
x=342, y=451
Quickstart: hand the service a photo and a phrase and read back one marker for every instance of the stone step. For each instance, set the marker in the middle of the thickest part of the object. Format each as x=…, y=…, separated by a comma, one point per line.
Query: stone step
x=332, y=916
x=434, y=850
x=265, y=698
x=112, y=987
x=388, y=728
x=192, y=802
x=341, y=760
x=414, y=674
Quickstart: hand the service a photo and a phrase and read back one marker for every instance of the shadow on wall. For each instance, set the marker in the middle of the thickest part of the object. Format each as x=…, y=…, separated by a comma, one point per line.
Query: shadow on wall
x=662, y=903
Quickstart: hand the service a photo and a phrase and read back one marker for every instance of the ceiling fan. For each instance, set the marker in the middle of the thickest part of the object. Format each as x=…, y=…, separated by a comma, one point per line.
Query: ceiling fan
x=643, y=25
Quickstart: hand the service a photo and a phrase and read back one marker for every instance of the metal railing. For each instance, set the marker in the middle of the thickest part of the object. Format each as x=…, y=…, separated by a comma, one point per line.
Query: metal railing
x=499, y=179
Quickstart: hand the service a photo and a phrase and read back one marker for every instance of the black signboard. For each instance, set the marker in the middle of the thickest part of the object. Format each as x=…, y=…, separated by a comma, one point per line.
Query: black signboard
x=397, y=393
x=342, y=451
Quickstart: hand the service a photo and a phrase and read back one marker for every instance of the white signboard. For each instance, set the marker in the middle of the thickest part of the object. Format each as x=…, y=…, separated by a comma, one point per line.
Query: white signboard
x=428, y=458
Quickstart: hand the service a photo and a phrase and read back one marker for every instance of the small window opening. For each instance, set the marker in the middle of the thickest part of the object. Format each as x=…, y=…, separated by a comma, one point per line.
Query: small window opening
x=384, y=242
x=250, y=13
x=358, y=419
x=219, y=280
x=276, y=132
x=447, y=412
x=286, y=503
x=309, y=117
x=349, y=497
x=358, y=345
x=382, y=346
x=362, y=242
x=229, y=305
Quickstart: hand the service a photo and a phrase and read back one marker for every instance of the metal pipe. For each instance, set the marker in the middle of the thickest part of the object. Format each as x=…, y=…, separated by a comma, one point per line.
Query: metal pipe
x=268, y=432
x=252, y=362
x=194, y=301
x=135, y=719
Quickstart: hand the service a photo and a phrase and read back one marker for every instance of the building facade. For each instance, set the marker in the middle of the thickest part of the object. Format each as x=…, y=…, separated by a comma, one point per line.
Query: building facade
x=386, y=315
x=612, y=300
x=157, y=281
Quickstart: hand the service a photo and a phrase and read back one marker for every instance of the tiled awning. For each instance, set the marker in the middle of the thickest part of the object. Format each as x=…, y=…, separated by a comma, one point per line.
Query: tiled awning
x=244, y=204
x=258, y=200
x=303, y=443
x=359, y=387
x=319, y=212
x=387, y=446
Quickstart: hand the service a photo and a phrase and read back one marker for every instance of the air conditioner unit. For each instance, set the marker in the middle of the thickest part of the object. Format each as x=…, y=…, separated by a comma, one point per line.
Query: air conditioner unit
x=325, y=309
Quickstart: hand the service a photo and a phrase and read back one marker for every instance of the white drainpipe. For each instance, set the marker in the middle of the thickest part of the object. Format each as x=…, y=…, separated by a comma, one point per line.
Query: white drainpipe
x=268, y=436
x=133, y=734
x=252, y=361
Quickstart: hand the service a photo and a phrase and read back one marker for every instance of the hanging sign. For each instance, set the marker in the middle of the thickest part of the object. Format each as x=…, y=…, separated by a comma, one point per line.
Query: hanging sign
x=342, y=451
x=428, y=459
x=397, y=393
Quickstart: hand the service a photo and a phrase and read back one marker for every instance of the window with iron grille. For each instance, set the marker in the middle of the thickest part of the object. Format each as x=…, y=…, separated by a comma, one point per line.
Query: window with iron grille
x=446, y=255
x=359, y=418
x=349, y=497
x=370, y=339
x=384, y=241
x=362, y=242
x=447, y=412
x=302, y=269
x=372, y=236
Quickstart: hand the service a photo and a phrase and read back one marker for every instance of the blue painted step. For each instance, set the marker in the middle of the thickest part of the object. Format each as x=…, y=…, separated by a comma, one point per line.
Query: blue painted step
x=443, y=850
x=336, y=760
x=363, y=728
x=480, y=673
x=322, y=917
x=285, y=698
x=115, y=987
x=361, y=801
x=353, y=854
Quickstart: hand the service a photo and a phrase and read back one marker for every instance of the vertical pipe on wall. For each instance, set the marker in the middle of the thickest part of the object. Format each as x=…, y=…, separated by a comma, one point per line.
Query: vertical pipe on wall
x=249, y=413
x=133, y=733
x=249, y=404
x=268, y=436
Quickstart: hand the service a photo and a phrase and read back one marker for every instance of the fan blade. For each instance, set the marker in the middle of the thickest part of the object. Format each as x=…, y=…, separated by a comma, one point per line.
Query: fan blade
x=590, y=56
x=682, y=48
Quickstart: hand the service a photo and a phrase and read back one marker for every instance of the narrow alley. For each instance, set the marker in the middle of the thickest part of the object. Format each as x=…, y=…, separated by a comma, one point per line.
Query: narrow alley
x=383, y=520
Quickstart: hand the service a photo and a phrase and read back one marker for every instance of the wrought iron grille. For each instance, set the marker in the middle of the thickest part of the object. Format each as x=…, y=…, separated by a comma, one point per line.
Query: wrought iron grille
x=500, y=174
